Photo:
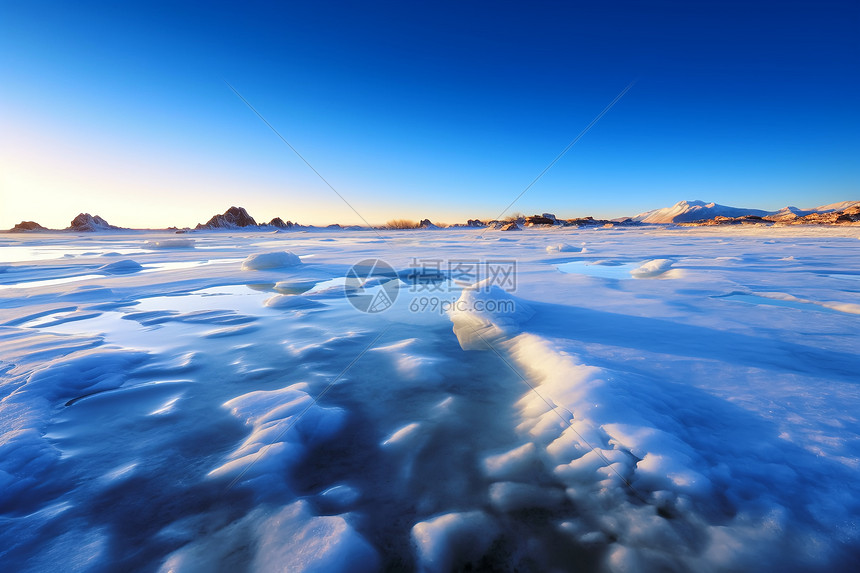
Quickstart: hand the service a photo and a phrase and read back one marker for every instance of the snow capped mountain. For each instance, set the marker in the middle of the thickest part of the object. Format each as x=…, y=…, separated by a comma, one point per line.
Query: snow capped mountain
x=841, y=206
x=791, y=212
x=686, y=211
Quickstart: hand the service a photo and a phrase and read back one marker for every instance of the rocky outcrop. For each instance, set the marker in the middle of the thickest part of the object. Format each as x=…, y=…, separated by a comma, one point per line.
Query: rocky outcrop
x=27, y=226
x=475, y=223
x=585, y=222
x=233, y=218
x=719, y=220
x=540, y=220
x=86, y=223
x=280, y=224
x=427, y=224
x=511, y=227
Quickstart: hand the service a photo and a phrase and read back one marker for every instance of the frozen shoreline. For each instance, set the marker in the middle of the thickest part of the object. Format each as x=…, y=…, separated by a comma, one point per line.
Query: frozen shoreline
x=715, y=372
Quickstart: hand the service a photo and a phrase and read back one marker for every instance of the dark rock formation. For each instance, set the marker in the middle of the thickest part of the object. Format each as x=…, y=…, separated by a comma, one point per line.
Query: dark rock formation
x=85, y=223
x=511, y=227
x=540, y=220
x=845, y=216
x=475, y=223
x=582, y=222
x=233, y=218
x=720, y=220
x=279, y=223
x=25, y=226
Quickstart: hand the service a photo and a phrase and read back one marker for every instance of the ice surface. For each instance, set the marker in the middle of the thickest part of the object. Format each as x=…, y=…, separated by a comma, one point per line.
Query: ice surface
x=163, y=409
x=603, y=269
x=171, y=244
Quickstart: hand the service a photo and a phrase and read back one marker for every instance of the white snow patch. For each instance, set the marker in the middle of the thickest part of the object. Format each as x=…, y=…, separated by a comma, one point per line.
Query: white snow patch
x=296, y=540
x=271, y=260
x=652, y=269
x=284, y=424
x=452, y=538
x=565, y=248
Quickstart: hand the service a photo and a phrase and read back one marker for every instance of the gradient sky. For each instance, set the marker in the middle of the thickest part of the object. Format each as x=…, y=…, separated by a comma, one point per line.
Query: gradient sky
x=444, y=110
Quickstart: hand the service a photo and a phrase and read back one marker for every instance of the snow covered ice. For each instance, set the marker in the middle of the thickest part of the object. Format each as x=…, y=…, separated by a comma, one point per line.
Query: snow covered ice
x=645, y=399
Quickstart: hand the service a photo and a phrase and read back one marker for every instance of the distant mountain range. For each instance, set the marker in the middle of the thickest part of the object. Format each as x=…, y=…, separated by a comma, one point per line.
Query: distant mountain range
x=690, y=211
x=684, y=213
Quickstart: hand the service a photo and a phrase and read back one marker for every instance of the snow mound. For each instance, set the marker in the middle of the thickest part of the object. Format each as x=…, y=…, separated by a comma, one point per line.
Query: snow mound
x=296, y=540
x=565, y=248
x=293, y=286
x=452, y=539
x=284, y=424
x=651, y=269
x=290, y=538
x=121, y=267
x=520, y=463
x=271, y=260
x=485, y=312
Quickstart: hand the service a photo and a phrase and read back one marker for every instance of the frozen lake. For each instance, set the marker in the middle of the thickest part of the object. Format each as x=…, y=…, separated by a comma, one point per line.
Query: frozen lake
x=620, y=399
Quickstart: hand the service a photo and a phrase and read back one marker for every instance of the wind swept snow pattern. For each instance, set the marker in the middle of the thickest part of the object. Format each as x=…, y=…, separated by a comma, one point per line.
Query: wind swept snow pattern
x=666, y=399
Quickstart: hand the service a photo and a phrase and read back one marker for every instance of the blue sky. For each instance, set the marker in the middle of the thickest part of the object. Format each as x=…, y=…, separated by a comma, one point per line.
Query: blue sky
x=444, y=110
